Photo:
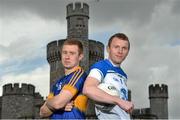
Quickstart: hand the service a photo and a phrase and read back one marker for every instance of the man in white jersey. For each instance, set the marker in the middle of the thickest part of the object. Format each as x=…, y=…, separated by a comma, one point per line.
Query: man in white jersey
x=109, y=71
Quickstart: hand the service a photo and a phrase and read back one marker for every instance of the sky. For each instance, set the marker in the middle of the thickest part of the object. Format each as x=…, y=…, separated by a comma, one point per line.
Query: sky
x=153, y=27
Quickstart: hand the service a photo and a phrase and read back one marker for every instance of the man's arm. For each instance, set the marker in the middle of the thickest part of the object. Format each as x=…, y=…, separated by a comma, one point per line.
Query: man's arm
x=57, y=102
x=45, y=111
x=92, y=91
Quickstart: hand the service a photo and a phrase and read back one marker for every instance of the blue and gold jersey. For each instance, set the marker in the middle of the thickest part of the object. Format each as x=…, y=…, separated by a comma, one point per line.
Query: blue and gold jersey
x=72, y=82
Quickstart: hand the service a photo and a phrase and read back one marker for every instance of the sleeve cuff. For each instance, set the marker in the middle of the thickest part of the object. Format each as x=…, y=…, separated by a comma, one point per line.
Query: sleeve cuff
x=51, y=95
x=70, y=88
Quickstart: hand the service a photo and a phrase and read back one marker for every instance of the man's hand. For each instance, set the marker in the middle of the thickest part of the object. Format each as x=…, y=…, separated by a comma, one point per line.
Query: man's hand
x=44, y=111
x=127, y=106
x=69, y=106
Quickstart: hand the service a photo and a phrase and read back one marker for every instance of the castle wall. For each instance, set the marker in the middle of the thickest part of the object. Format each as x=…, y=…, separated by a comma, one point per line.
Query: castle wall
x=17, y=102
x=85, y=61
x=96, y=51
x=17, y=106
x=20, y=101
x=54, y=60
x=158, y=96
x=38, y=102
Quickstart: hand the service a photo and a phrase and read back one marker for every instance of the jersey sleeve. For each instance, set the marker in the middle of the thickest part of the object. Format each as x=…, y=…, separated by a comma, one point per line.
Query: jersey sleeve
x=98, y=71
x=76, y=82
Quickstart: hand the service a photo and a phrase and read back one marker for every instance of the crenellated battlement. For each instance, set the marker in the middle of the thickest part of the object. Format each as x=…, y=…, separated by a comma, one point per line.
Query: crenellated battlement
x=77, y=8
x=143, y=113
x=96, y=50
x=15, y=89
x=157, y=91
x=54, y=50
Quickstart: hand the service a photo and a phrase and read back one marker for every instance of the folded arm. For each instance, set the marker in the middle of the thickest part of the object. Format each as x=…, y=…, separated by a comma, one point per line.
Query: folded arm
x=92, y=91
x=57, y=102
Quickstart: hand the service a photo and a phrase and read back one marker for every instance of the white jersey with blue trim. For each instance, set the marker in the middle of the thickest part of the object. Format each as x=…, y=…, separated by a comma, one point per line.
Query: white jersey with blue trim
x=105, y=72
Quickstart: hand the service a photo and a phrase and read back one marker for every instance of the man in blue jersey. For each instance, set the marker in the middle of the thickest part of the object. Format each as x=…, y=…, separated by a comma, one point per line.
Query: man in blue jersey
x=66, y=100
x=109, y=71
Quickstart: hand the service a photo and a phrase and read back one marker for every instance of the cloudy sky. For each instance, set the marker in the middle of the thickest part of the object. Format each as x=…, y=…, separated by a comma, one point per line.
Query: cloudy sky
x=153, y=27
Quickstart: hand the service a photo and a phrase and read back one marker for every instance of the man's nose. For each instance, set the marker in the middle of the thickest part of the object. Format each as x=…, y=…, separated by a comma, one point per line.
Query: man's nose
x=67, y=56
x=120, y=50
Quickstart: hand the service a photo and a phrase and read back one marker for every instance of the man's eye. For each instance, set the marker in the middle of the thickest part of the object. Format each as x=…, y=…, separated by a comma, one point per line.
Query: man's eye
x=64, y=52
x=72, y=53
x=116, y=47
x=125, y=48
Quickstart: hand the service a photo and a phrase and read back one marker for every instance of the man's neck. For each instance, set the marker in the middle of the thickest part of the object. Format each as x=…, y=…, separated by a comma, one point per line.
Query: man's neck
x=115, y=65
x=68, y=71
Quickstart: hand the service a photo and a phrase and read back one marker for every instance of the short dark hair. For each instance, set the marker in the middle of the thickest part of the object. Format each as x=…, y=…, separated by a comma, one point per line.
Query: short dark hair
x=74, y=42
x=120, y=36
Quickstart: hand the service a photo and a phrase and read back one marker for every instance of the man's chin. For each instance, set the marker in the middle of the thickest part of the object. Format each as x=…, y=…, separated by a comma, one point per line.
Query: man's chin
x=67, y=67
x=117, y=62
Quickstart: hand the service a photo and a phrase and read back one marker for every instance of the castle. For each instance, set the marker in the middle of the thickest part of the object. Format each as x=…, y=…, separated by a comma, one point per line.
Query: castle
x=24, y=102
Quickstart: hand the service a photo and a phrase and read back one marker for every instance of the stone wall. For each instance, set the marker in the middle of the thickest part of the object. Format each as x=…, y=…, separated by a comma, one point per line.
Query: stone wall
x=20, y=101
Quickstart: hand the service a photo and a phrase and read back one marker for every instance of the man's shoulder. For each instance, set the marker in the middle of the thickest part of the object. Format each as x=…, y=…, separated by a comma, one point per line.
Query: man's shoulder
x=102, y=66
x=100, y=63
x=80, y=72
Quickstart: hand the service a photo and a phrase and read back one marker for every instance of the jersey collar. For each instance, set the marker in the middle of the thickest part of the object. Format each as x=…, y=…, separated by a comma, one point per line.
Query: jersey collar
x=113, y=63
x=73, y=70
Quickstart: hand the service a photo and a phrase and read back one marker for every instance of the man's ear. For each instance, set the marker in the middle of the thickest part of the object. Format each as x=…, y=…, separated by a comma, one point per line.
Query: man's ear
x=107, y=49
x=81, y=57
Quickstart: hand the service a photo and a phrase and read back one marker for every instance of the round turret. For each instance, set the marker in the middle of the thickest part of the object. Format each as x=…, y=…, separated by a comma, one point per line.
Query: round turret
x=158, y=91
x=158, y=96
x=77, y=20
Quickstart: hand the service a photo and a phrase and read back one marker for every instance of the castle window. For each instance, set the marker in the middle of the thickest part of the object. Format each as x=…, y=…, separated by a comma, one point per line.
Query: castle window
x=79, y=18
x=80, y=22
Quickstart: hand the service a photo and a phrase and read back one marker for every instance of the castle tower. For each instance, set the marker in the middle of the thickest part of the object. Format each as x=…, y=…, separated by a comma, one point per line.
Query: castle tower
x=77, y=28
x=158, y=96
x=19, y=102
x=77, y=20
